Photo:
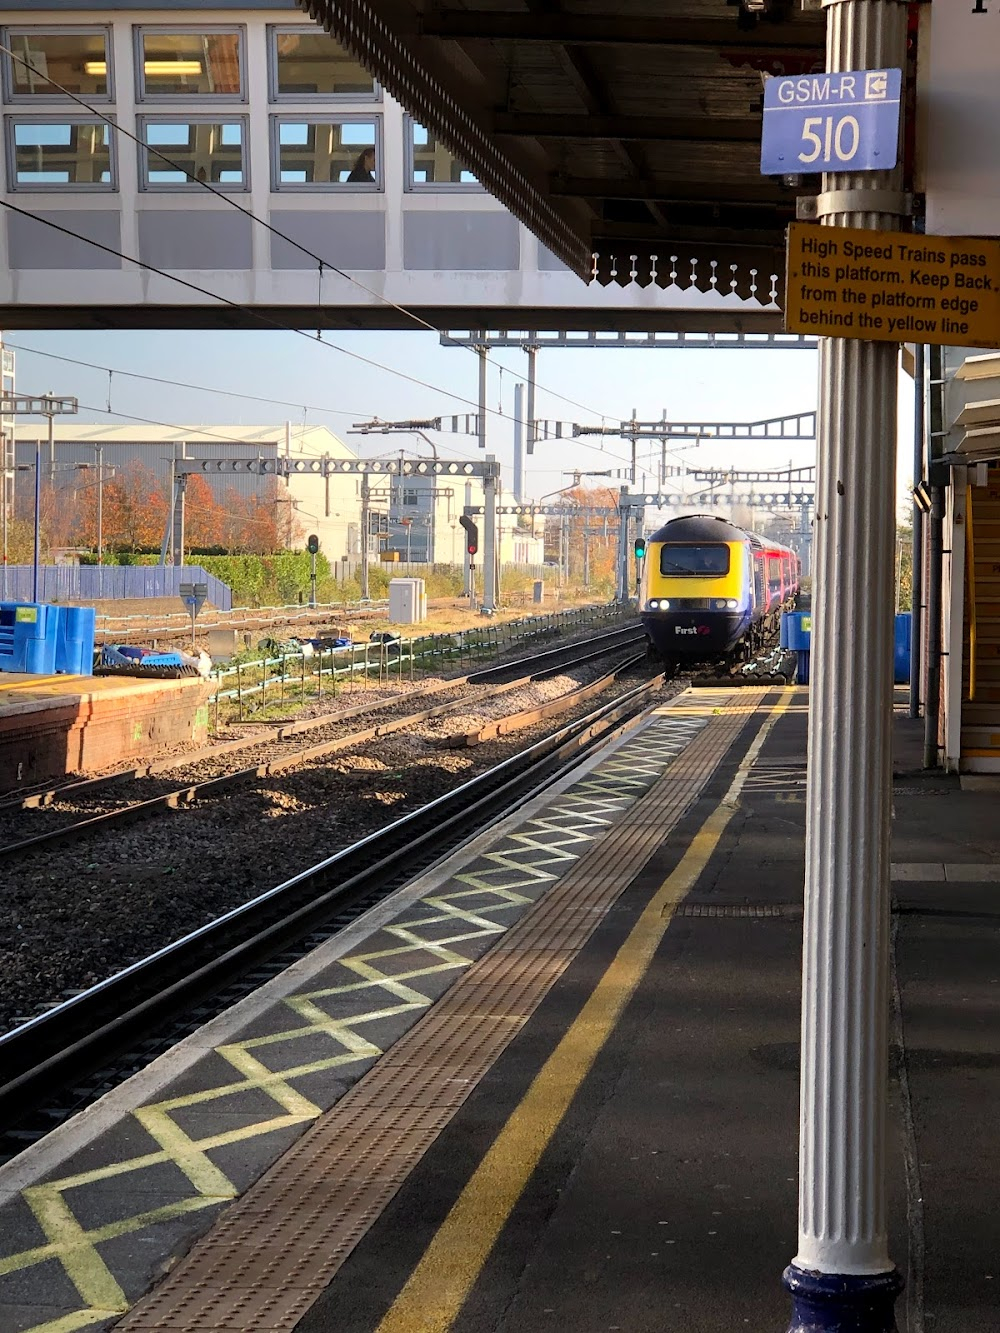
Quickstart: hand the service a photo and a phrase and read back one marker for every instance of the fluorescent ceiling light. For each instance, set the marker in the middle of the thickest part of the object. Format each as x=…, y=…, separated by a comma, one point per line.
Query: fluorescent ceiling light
x=172, y=66
x=182, y=67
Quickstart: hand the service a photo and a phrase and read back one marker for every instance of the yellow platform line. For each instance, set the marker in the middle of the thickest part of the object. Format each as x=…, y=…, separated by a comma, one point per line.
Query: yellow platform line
x=35, y=683
x=438, y=1286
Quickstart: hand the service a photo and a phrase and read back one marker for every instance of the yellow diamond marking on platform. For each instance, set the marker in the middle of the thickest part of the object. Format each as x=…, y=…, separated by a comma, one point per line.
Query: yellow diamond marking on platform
x=556, y=838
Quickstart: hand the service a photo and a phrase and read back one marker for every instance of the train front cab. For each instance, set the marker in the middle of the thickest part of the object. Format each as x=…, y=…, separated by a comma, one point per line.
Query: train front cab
x=695, y=597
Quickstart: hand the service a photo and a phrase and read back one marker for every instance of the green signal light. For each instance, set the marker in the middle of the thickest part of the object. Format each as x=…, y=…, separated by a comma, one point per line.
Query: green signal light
x=640, y=548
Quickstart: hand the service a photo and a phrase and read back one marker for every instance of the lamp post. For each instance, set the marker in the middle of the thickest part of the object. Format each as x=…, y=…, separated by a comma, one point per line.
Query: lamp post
x=48, y=405
x=100, y=504
x=99, y=483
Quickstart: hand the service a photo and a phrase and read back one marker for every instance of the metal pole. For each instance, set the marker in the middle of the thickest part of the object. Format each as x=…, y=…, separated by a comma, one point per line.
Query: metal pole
x=37, y=556
x=99, y=450
x=624, y=514
x=586, y=555
x=365, y=520
x=934, y=573
x=489, y=542
x=532, y=351
x=935, y=558
x=917, y=549
x=312, y=578
x=483, y=365
x=932, y=704
x=634, y=442
x=842, y=1277
x=52, y=443
x=519, y=443
x=5, y=515
x=177, y=539
x=467, y=559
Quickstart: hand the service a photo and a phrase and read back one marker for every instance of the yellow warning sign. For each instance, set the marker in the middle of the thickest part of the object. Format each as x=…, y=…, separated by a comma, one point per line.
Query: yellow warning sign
x=892, y=286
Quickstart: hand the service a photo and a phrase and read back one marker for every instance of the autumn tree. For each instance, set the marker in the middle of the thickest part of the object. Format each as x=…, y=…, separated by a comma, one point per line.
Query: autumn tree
x=205, y=519
x=253, y=523
x=579, y=504
x=134, y=510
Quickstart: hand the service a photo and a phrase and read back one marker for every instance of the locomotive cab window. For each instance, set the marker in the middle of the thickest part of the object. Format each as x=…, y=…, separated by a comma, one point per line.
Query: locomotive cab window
x=694, y=561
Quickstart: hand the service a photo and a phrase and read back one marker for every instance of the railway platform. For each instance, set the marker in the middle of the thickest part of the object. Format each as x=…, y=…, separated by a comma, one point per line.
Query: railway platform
x=51, y=726
x=551, y=1083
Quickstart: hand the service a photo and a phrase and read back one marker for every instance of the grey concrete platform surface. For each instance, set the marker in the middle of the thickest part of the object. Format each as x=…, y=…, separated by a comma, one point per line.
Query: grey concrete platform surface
x=666, y=1198
x=92, y=1216
x=554, y=1085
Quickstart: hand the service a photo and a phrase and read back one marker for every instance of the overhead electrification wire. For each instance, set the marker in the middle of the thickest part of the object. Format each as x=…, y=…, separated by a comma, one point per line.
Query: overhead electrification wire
x=180, y=384
x=302, y=408
x=190, y=431
x=322, y=264
x=251, y=312
x=236, y=305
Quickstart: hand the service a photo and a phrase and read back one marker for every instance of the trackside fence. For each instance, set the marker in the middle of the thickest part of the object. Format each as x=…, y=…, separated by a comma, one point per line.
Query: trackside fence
x=96, y=583
x=112, y=629
x=286, y=678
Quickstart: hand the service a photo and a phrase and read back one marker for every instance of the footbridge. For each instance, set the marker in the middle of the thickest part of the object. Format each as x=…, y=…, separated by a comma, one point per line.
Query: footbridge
x=177, y=164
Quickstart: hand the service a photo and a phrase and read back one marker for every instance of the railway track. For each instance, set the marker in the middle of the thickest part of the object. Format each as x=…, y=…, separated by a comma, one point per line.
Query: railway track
x=209, y=773
x=58, y=1061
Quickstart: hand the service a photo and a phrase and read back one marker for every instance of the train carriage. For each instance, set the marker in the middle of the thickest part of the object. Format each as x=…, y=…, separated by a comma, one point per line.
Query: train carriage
x=709, y=588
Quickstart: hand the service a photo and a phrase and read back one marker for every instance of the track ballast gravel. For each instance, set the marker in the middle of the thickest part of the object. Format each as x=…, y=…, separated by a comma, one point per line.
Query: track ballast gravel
x=73, y=915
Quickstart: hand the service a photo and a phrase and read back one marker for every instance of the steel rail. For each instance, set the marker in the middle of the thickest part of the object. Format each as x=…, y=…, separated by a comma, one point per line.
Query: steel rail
x=41, y=796
x=183, y=797
x=73, y=1038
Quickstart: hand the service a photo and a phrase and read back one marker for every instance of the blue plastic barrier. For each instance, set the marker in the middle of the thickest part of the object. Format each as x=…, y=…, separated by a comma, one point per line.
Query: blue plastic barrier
x=28, y=637
x=901, y=656
x=75, y=640
x=43, y=640
x=796, y=633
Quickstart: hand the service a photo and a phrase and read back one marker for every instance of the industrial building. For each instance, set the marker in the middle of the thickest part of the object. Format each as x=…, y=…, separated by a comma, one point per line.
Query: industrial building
x=416, y=516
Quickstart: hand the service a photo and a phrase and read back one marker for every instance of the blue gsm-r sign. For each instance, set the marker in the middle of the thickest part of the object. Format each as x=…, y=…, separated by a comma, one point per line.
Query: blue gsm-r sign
x=831, y=122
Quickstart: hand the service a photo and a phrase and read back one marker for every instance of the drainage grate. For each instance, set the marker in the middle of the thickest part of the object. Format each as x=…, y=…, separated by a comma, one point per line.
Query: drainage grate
x=753, y=911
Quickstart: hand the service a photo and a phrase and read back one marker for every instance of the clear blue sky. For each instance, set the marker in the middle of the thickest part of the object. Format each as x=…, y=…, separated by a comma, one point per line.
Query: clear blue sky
x=334, y=389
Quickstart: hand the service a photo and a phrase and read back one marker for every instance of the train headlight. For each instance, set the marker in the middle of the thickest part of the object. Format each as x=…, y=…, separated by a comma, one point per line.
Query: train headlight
x=653, y=605
x=732, y=604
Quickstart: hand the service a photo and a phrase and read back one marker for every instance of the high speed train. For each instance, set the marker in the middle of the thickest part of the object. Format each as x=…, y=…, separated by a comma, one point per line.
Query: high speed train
x=708, y=588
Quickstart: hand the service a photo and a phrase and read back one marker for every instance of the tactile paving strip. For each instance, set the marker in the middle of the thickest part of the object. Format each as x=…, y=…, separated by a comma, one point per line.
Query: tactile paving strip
x=88, y=1237
x=270, y=1255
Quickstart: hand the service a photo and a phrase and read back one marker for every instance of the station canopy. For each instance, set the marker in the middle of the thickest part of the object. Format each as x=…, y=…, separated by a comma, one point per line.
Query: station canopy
x=624, y=133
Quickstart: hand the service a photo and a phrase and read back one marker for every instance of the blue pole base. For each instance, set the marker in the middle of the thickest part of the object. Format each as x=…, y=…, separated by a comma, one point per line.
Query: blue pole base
x=842, y=1303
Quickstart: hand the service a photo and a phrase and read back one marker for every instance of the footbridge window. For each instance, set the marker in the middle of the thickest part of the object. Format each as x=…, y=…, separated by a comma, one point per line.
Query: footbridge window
x=326, y=152
x=430, y=163
x=71, y=153
x=75, y=59
x=307, y=66
x=172, y=63
x=185, y=152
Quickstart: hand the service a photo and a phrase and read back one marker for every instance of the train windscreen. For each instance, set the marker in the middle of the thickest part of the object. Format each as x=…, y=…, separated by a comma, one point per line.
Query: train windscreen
x=693, y=561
